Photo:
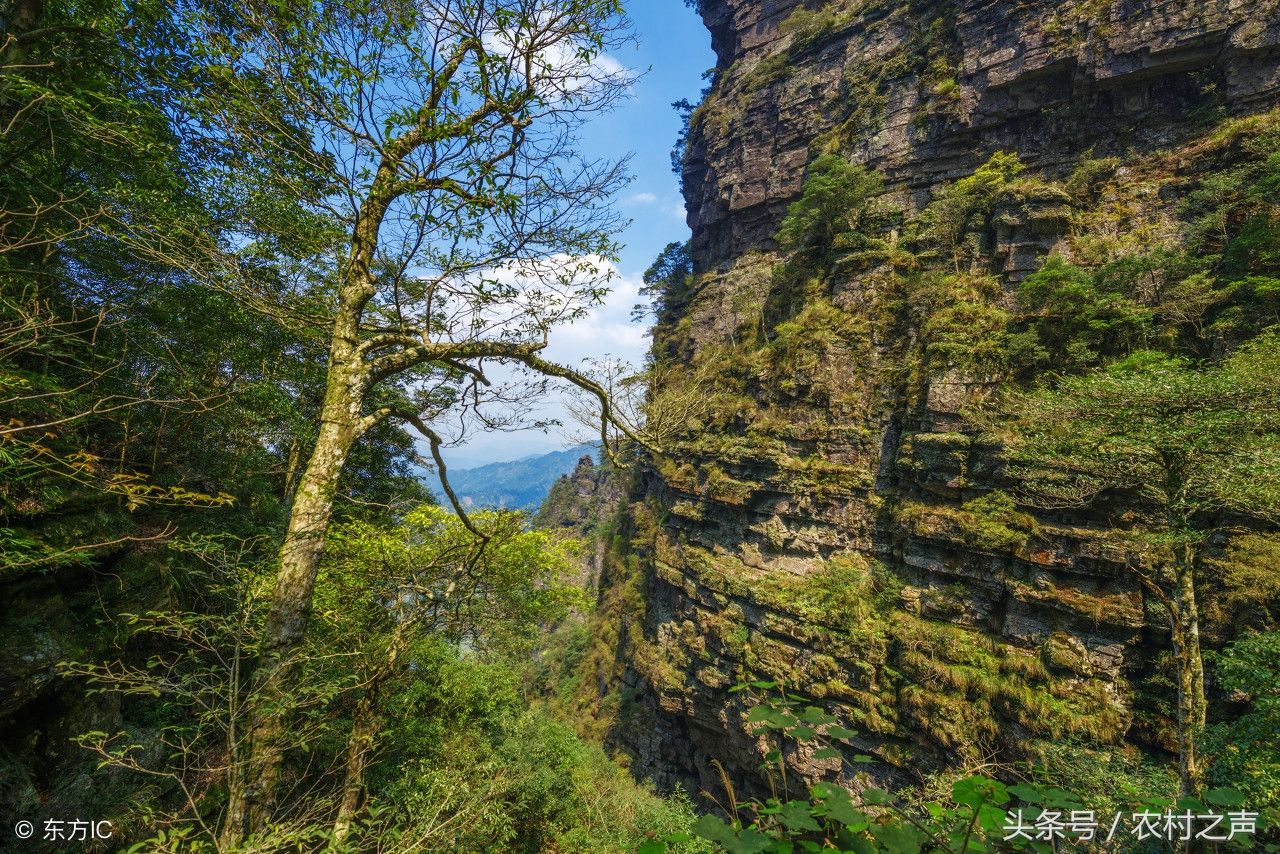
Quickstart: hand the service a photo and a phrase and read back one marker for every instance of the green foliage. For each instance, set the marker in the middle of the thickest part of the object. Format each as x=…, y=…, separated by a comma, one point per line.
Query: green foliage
x=667, y=283
x=1089, y=174
x=471, y=767
x=838, y=593
x=896, y=671
x=1233, y=211
x=961, y=323
x=141, y=399
x=1080, y=317
x=1243, y=751
x=1117, y=778
x=1189, y=439
x=956, y=217
x=146, y=410
x=801, y=358
x=1245, y=588
x=1146, y=315
x=1189, y=443
x=1073, y=319
x=520, y=583
x=417, y=626
x=579, y=668
x=830, y=817
x=838, y=208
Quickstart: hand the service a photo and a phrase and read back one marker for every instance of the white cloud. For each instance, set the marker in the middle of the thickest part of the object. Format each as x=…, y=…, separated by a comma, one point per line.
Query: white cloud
x=608, y=65
x=677, y=211
x=640, y=199
x=603, y=329
x=564, y=67
x=606, y=329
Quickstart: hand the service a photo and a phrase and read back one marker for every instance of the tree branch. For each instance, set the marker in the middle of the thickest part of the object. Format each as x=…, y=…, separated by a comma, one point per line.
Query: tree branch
x=442, y=471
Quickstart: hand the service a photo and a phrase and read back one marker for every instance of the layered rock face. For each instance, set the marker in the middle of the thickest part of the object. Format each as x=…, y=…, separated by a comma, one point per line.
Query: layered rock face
x=826, y=535
x=927, y=89
x=580, y=504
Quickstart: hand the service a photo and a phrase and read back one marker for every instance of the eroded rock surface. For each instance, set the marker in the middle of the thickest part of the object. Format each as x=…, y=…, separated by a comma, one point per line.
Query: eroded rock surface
x=971, y=644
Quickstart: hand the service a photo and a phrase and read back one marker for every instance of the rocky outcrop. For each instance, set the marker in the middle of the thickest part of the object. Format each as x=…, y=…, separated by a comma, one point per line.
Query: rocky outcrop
x=829, y=539
x=580, y=500
x=926, y=90
x=581, y=504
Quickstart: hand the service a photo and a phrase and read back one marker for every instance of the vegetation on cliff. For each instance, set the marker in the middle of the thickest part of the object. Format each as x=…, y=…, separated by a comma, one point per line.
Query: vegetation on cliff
x=956, y=495
x=1130, y=373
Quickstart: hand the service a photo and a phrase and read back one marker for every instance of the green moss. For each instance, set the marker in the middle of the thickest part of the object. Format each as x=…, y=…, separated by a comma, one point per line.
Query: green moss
x=899, y=673
x=807, y=28
x=962, y=686
x=991, y=523
x=837, y=593
x=810, y=27
x=1081, y=23
x=930, y=54
x=820, y=477
x=1123, y=609
x=1246, y=591
x=935, y=456
x=1062, y=652
x=723, y=488
x=1089, y=175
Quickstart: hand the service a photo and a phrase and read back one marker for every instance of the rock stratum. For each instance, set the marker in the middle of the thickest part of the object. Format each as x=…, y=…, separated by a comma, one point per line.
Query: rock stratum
x=817, y=524
x=926, y=91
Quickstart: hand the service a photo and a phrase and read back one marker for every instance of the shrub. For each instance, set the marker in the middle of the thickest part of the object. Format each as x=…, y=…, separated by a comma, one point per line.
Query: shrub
x=838, y=202
x=1243, y=751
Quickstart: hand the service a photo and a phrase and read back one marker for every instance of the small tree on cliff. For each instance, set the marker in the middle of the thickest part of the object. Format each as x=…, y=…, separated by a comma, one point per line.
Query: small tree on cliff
x=439, y=137
x=838, y=209
x=1189, y=447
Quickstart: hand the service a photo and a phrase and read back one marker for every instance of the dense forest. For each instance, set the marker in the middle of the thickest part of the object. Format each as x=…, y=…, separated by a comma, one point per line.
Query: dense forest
x=243, y=246
x=257, y=258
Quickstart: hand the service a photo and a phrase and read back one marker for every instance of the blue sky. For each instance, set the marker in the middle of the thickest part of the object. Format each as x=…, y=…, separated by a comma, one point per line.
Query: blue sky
x=672, y=52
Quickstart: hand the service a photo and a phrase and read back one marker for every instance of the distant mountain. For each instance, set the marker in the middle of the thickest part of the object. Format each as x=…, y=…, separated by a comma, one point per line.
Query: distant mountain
x=516, y=485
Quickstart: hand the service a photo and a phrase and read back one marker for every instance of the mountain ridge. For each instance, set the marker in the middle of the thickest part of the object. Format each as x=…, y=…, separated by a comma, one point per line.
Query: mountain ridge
x=519, y=484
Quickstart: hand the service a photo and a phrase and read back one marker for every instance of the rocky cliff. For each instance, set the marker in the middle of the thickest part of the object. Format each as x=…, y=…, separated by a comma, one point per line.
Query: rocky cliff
x=833, y=518
x=927, y=90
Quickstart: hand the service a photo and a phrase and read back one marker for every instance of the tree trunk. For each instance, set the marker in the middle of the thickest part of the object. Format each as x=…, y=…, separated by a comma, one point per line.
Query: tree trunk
x=1184, y=622
x=1190, y=665
x=364, y=731
x=251, y=801
x=252, y=791
x=359, y=748
x=291, y=473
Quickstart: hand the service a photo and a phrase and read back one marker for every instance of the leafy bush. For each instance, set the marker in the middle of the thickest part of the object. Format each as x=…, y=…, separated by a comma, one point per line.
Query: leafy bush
x=961, y=208
x=838, y=208
x=1244, y=750
x=1075, y=319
